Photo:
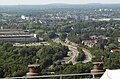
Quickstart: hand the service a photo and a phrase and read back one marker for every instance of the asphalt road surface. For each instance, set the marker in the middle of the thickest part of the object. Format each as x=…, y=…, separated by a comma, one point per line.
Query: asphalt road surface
x=74, y=52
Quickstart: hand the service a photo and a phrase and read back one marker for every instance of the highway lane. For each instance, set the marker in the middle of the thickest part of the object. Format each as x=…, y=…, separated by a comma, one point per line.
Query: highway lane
x=88, y=56
x=72, y=49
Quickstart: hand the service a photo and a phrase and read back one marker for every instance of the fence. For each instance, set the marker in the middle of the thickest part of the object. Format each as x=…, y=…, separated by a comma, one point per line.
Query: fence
x=59, y=76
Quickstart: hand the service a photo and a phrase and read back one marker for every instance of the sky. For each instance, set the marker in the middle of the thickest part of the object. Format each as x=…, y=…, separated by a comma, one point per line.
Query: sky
x=42, y=2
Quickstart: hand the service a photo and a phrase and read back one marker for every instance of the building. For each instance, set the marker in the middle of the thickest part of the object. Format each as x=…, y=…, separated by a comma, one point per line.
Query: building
x=18, y=35
x=13, y=32
x=89, y=43
x=19, y=38
x=116, y=50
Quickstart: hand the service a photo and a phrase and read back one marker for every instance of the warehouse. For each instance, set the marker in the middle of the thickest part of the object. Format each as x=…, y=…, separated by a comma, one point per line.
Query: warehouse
x=8, y=35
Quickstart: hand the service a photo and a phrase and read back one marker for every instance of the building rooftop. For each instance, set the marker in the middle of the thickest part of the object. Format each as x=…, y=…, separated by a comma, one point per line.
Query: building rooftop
x=116, y=50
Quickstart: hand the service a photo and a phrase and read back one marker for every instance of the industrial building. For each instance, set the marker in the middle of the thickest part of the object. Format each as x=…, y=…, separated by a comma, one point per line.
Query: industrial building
x=18, y=35
x=13, y=31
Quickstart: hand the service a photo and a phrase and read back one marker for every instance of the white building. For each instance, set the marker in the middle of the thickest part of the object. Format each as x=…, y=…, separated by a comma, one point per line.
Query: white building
x=23, y=17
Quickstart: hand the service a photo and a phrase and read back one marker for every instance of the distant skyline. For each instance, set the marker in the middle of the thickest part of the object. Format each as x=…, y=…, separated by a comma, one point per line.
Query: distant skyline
x=42, y=2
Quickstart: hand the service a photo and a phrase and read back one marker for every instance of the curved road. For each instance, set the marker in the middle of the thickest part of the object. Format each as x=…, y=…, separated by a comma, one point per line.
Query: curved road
x=74, y=51
x=88, y=56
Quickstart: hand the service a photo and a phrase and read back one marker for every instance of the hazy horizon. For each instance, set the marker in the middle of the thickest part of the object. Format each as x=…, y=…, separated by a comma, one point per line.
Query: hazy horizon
x=44, y=2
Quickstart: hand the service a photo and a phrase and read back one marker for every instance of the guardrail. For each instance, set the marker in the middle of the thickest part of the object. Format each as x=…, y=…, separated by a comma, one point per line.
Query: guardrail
x=58, y=76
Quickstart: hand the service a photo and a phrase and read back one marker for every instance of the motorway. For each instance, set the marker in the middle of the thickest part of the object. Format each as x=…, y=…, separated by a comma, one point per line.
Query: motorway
x=74, y=52
x=74, y=55
x=88, y=56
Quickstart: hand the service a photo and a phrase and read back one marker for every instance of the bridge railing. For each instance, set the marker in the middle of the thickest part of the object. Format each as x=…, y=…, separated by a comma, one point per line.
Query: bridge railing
x=91, y=76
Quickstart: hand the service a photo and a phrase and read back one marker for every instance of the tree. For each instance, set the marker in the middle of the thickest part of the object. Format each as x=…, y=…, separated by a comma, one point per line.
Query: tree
x=52, y=35
x=112, y=46
x=1, y=72
x=39, y=32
